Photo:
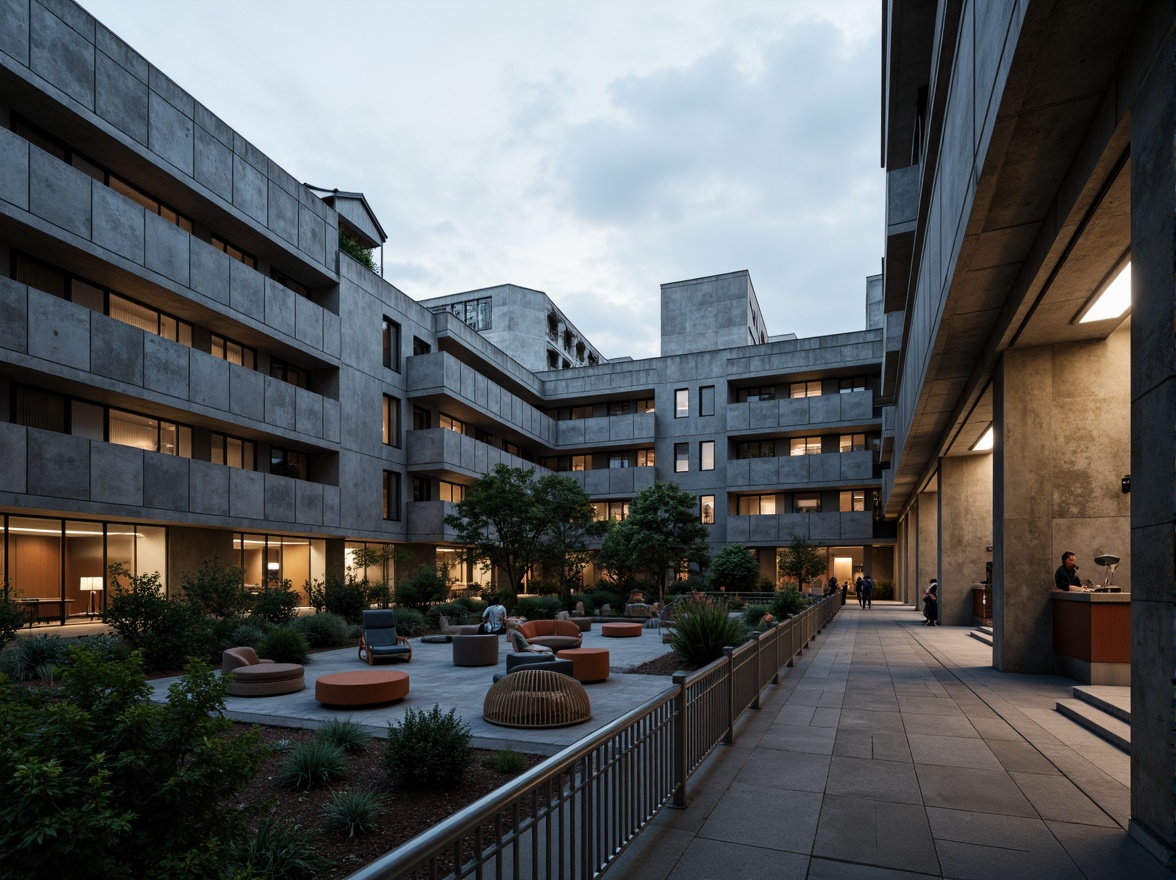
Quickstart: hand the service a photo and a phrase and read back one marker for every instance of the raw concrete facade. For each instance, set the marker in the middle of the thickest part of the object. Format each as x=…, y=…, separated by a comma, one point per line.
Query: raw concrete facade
x=1028, y=155
x=191, y=368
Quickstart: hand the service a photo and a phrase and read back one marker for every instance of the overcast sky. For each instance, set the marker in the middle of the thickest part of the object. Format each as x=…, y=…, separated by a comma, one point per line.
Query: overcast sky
x=592, y=150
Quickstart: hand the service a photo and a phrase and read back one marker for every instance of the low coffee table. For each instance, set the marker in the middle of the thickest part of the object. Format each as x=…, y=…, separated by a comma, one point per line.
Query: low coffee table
x=620, y=630
x=588, y=664
x=365, y=687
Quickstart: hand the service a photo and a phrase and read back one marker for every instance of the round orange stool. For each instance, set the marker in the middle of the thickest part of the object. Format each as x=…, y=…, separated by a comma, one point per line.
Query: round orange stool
x=588, y=664
x=620, y=630
x=366, y=687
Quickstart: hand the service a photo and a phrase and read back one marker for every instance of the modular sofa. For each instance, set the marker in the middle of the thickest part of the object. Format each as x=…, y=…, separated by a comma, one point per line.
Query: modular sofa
x=554, y=634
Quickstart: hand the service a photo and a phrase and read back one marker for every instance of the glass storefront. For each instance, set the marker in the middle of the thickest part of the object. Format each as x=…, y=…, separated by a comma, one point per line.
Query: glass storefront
x=269, y=559
x=56, y=561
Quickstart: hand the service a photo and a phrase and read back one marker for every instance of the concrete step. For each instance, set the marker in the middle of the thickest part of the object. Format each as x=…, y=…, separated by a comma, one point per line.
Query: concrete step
x=1098, y=722
x=981, y=636
x=987, y=630
x=1112, y=700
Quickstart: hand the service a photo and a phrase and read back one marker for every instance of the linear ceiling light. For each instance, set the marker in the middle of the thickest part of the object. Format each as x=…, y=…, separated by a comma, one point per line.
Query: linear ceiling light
x=1114, y=301
x=984, y=444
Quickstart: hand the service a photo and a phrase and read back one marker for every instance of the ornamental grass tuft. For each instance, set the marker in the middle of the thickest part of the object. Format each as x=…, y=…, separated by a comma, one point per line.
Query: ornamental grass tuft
x=703, y=629
x=313, y=763
x=345, y=733
x=353, y=811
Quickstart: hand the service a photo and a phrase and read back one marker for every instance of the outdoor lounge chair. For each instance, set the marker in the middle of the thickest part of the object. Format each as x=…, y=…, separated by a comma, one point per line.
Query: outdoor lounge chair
x=378, y=639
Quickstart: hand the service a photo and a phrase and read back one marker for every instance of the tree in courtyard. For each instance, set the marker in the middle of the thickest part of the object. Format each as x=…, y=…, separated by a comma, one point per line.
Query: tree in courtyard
x=662, y=531
x=512, y=522
x=733, y=567
x=571, y=521
x=802, y=561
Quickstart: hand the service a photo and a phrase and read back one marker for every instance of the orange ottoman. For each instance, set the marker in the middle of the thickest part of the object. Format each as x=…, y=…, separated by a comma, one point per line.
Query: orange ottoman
x=588, y=664
x=367, y=687
x=620, y=630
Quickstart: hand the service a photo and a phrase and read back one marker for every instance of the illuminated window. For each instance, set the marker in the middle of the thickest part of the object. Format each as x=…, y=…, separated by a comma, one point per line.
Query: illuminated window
x=451, y=424
x=230, y=249
x=233, y=451
x=853, y=443
x=391, y=421
x=706, y=455
x=682, y=403
x=644, y=458
x=805, y=389
x=804, y=446
x=452, y=492
x=706, y=509
x=853, y=501
x=756, y=505
x=391, y=335
x=806, y=504
x=233, y=352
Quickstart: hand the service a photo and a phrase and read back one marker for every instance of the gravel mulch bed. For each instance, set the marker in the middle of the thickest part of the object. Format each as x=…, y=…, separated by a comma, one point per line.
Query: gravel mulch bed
x=667, y=664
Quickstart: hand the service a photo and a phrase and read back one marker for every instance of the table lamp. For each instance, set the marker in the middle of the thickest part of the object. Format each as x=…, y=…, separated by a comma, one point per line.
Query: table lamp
x=92, y=585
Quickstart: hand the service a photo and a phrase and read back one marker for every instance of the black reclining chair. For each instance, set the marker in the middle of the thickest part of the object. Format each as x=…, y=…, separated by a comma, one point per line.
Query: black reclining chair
x=378, y=639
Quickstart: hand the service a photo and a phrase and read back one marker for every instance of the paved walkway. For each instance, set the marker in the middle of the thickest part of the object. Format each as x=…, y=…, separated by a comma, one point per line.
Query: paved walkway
x=894, y=750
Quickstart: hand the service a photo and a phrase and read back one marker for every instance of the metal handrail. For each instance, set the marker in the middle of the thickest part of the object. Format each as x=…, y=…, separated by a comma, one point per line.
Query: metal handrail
x=574, y=814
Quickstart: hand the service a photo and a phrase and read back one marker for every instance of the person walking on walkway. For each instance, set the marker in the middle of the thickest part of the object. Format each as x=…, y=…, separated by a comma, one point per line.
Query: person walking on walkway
x=931, y=604
x=858, y=590
x=867, y=592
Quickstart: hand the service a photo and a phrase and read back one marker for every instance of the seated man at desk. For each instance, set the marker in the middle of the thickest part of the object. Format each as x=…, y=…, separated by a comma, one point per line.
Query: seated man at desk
x=1066, y=577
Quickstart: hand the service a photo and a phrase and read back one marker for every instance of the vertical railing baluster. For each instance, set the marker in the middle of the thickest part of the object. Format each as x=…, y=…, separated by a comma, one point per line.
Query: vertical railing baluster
x=729, y=736
x=680, y=771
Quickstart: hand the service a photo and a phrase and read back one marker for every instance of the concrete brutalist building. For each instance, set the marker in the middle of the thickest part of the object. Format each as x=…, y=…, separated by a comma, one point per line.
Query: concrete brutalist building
x=191, y=368
x=1030, y=178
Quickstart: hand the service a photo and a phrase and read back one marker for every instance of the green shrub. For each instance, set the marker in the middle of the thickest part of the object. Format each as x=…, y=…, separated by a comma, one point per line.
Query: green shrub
x=135, y=604
x=507, y=761
x=473, y=606
x=421, y=589
x=284, y=644
x=279, y=851
x=734, y=603
x=546, y=588
x=883, y=589
x=34, y=658
x=277, y=604
x=354, y=811
x=316, y=595
x=589, y=600
x=765, y=585
x=733, y=567
x=248, y=634
x=701, y=631
x=788, y=601
x=106, y=783
x=380, y=595
x=605, y=597
x=178, y=632
x=344, y=597
x=313, y=763
x=410, y=622
x=455, y=611
x=538, y=607
x=217, y=590
x=754, y=615
x=428, y=749
x=323, y=630
x=12, y=615
x=344, y=733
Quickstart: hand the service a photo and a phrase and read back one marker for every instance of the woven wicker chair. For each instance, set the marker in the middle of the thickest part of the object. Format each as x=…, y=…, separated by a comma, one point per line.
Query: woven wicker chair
x=536, y=698
x=379, y=641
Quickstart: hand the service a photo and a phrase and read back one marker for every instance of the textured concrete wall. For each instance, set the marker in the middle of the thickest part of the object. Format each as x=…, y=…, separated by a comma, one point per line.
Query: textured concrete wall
x=927, y=564
x=1063, y=423
x=1153, y=447
x=705, y=314
x=189, y=547
x=965, y=533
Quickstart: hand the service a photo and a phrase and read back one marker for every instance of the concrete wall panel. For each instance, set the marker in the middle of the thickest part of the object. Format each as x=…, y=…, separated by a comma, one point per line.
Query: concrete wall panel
x=14, y=316
x=246, y=290
x=213, y=163
x=13, y=451
x=166, y=249
x=14, y=36
x=59, y=465
x=165, y=482
x=59, y=194
x=116, y=474
x=246, y=392
x=116, y=350
x=14, y=158
x=209, y=381
x=211, y=271
x=119, y=224
x=208, y=488
x=59, y=331
x=279, y=403
x=62, y=55
x=165, y=366
x=247, y=494
x=120, y=97
x=279, y=307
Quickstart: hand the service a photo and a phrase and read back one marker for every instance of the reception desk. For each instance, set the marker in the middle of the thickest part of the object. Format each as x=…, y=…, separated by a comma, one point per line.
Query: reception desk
x=1092, y=636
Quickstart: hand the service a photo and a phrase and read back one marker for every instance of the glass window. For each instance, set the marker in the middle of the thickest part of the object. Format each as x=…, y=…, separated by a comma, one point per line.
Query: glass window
x=287, y=373
x=681, y=457
x=807, y=504
x=233, y=451
x=706, y=508
x=805, y=446
x=682, y=403
x=756, y=449
x=645, y=458
x=233, y=251
x=857, y=383
x=853, y=501
x=288, y=463
x=451, y=424
x=706, y=400
x=87, y=420
x=805, y=389
x=756, y=505
x=618, y=460
x=581, y=412
x=391, y=332
x=706, y=455
x=618, y=408
x=581, y=463
x=853, y=443
x=512, y=449
x=749, y=395
x=233, y=352
x=645, y=405
x=392, y=496
x=451, y=492
x=422, y=419
x=422, y=489
x=419, y=346
x=391, y=421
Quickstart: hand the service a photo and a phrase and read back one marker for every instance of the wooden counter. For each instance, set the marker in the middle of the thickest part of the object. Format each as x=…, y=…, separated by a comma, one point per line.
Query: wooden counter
x=1092, y=636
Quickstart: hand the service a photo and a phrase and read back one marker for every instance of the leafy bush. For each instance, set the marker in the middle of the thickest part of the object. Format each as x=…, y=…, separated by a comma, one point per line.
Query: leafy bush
x=605, y=597
x=883, y=589
x=410, y=622
x=421, y=589
x=12, y=615
x=788, y=601
x=104, y=647
x=344, y=597
x=589, y=600
x=217, y=590
x=507, y=761
x=765, y=585
x=474, y=607
x=344, y=733
x=455, y=611
x=30, y=658
x=546, y=588
x=538, y=607
x=284, y=644
x=353, y=811
x=754, y=616
x=316, y=595
x=734, y=603
x=380, y=595
x=279, y=850
x=248, y=634
x=702, y=630
x=428, y=749
x=135, y=605
x=323, y=630
x=277, y=604
x=313, y=763
x=733, y=567
x=105, y=783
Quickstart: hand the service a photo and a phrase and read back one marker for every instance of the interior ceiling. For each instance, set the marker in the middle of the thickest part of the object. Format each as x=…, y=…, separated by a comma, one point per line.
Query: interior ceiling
x=1065, y=63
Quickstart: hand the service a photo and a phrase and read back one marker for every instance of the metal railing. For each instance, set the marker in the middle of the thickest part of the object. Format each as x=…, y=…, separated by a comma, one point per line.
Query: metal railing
x=574, y=814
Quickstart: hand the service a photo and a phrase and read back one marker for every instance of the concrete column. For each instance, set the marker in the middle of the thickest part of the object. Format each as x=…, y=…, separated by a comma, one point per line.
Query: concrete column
x=188, y=547
x=1063, y=438
x=965, y=533
x=1153, y=449
x=911, y=555
x=928, y=542
x=336, y=557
